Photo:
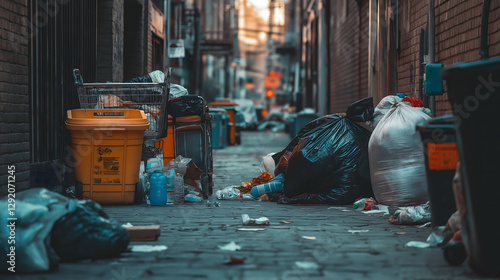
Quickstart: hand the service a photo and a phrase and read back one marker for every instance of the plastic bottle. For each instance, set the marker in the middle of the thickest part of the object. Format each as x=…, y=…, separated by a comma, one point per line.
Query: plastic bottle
x=364, y=204
x=158, y=188
x=170, y=186
x=179, y=189
x=268, y=188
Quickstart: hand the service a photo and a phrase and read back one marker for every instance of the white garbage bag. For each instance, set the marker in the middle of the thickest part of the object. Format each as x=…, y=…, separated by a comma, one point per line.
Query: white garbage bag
x=396, y=155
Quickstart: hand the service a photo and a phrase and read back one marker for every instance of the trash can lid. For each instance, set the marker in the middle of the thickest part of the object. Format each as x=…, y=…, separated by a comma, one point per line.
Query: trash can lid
x=459, y=70
x=130, y=119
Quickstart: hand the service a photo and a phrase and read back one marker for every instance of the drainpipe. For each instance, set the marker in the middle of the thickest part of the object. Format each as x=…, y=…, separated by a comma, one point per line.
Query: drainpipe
x=483, y=51
x=432, y=101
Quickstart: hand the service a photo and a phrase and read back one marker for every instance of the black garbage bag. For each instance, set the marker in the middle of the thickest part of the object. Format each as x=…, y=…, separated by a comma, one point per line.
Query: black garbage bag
x=327, y=162
x=88, y=233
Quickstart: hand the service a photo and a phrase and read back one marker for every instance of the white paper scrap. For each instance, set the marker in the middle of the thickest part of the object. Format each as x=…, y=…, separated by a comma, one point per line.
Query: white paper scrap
x=231, y=246
x=418, y=244
x=307, y=265
x=148, y=248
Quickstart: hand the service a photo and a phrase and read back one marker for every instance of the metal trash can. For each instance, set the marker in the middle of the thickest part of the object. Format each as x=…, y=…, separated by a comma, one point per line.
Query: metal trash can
x=219, y=128
x=441, y=158
x=300, y=120
x=474, y=94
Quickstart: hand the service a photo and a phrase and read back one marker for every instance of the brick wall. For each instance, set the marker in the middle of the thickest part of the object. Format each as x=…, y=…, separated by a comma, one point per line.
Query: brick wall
x=457, y=37
x=14, y=89
x=110, y=41
x=343, y=55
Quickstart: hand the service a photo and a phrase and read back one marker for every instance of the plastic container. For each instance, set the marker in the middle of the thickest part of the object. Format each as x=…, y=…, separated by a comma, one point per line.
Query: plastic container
x=107, y=148
x=441, y=158
x=363, y=204
x=474, y=94
x=179, y=189
x=170, y=186
x=158, y=188
x=268, y=188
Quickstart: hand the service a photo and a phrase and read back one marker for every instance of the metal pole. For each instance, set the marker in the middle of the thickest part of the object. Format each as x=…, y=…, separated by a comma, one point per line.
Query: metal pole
x=431, y=50
x=166, y=24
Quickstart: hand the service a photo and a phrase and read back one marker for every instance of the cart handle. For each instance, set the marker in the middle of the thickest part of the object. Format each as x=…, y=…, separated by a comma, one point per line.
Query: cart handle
x=78, y=77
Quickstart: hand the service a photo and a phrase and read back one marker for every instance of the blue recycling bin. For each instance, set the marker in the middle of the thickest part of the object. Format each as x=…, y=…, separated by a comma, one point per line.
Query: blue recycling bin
x=300, y=120
x=219, y=128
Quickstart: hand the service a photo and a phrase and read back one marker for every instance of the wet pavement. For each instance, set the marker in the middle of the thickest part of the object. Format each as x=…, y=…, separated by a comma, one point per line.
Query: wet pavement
x=315, y=242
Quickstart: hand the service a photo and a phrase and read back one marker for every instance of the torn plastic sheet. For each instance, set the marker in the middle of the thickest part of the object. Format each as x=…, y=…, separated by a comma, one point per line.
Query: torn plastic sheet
x=148, y=248
x=250, y=229
x=231, y=246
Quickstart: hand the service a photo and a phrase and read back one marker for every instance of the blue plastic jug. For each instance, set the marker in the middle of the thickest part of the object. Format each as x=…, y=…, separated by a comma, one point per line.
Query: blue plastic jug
x=158, y=188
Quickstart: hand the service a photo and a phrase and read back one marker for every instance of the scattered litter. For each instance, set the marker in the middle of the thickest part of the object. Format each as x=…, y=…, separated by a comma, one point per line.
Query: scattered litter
x=418, y=244
x=280, y=227
x=428, y=224
x=411, y=215
x=213, y=204
x=364, y=204
x=231, y=246
x=232, y=193
x=286, y=222
x=250, y=229
x=127, y=225
x=436, y=237
x=307, y=265
x=232, y=260
x=378, y=209
x=358, y=230
x=336, y=208
x=246, y=220
x=148, y=248
x=144, y=233
x=309, y=237
x=227, y=225
x=400, y=233
x=346, y=210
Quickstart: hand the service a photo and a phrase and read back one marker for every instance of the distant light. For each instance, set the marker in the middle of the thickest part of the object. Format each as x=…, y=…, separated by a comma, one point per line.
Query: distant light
x=272, y=73
x=269, y=93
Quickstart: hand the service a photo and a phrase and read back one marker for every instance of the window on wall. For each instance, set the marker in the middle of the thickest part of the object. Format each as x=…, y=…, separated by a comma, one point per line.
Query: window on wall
x=157, y=54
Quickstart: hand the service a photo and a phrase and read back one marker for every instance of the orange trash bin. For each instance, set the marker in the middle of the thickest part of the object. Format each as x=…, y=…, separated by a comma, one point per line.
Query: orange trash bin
x=107, y=147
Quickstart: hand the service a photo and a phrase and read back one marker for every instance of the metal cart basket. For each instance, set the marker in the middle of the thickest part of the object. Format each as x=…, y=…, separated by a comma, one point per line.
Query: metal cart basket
x=151, y=97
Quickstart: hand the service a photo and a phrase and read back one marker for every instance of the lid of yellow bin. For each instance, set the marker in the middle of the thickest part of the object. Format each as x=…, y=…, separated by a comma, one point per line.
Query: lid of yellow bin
x=82, y=119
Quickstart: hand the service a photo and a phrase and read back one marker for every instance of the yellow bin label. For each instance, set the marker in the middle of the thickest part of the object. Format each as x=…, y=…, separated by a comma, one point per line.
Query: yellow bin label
x=442, y=156
x=108, y=165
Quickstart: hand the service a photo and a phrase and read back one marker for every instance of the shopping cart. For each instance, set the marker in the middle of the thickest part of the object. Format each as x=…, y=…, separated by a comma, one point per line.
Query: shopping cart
x=152, y=98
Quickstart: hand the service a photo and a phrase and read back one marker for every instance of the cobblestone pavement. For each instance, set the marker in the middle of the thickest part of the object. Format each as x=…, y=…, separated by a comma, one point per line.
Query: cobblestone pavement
x=320, y=242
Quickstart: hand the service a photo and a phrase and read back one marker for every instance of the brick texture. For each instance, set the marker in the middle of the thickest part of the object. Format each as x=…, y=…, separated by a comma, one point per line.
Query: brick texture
x=457, y=39
x=344, y=55
x=14, y=93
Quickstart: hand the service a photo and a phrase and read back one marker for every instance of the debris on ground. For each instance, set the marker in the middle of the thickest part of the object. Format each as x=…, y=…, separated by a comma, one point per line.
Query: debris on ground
x=233, y=193
x=306, y=265
x=147, y=248
x=309, y=237
x=250, y=229
x=247, y=221
x=232, y=260
x=418, y=244
x=411, y=215
x=144, y=233
x=246, y=187
x=231, y=246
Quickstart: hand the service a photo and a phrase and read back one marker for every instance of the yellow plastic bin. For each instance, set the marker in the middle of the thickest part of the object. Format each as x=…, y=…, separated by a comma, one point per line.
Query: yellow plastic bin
x=107, y=147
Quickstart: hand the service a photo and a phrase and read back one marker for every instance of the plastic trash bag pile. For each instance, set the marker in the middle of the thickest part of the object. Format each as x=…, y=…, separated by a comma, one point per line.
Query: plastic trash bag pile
x=51, y=228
